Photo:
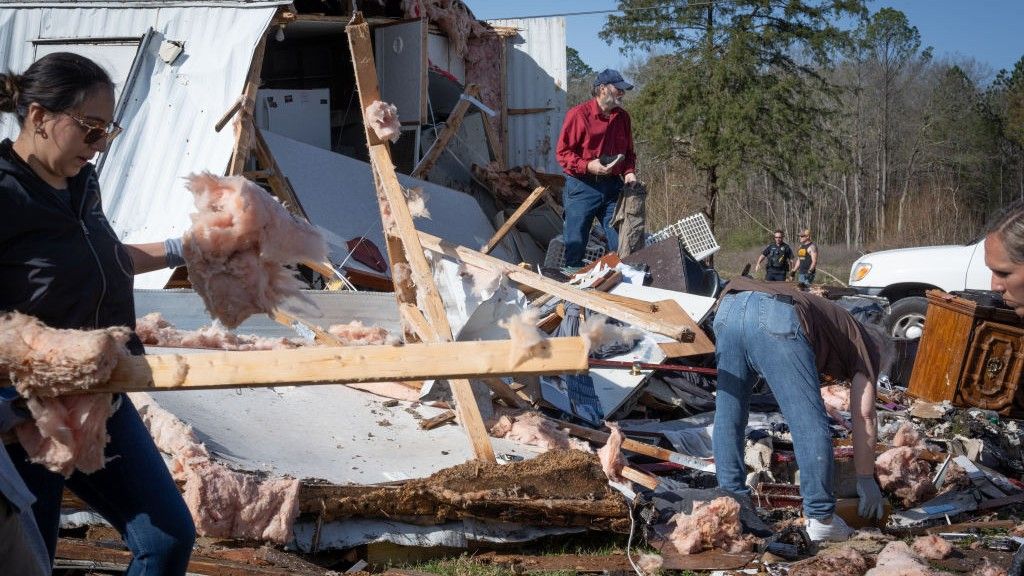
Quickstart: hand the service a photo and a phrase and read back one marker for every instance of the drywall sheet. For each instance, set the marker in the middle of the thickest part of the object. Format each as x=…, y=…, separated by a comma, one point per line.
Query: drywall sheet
x=338, y=194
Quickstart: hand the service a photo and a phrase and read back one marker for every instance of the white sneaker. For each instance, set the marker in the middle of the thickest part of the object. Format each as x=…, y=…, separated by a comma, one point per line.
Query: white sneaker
x=834, y=530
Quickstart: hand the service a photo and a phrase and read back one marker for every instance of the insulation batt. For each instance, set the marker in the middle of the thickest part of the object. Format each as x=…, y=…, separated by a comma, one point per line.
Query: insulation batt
x=837, y=400
x=155, y=330
x=383, y=119
x=67, y=432
x=224, y=503
x=897, y=559
x=533, y=429
x=714, y=524
x=598, y=333
x=612, y=460
x=834, y=561
x=901, y=472
x=356, y=334
x=416, y=198
x=405, y=288
x=932, y=547
x=650, y=563
x=527, y=340
x=484, y=282
x=238, y=246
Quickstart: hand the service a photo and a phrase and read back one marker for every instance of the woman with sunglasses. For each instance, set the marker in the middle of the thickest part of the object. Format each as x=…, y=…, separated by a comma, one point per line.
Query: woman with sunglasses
x=61, y=262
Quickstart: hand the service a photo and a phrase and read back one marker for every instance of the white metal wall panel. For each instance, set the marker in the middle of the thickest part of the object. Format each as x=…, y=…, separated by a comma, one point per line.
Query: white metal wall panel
x=169, y=119
x=536, y=77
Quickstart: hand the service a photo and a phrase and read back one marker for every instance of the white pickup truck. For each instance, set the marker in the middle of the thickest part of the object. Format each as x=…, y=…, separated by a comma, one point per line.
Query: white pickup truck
x=902, y=276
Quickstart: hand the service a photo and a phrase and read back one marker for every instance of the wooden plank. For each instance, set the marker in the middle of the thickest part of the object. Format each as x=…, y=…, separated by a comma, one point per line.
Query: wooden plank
x=493, y=141
x=642, y=478
x=631, y=445
x=679, y=329
x=108, y=557
x=555, y=207
x=639, y=305
x=341, y=365
x=671, y=311
x=514, y=218
x=228, y=115
x=442, y=418
x=524, y=111
x=403, y=243
x=320, y=335
x=506, y=393
x=451, y=128
x=243, y=143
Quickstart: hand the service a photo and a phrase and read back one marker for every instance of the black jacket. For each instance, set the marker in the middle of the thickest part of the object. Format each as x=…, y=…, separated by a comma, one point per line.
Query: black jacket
x=61, y=262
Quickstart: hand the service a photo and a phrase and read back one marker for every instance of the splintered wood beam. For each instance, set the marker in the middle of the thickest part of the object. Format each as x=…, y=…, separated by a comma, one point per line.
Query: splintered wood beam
x=451, y=128
x=320, y=335
x=506, y=393
x=555, y=207
x=492, y=140
x=403, y=243
x=243, y=143
x=684, y=329
x=640, y=477
x=338, y=365
x=514, y=218
x=630, y=445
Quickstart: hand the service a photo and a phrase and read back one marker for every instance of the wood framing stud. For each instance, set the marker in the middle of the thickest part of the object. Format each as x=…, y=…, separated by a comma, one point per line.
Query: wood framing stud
x=338, y=365
x=684, y=329
x=442, y=138
x=403, y=243
x=514, y=218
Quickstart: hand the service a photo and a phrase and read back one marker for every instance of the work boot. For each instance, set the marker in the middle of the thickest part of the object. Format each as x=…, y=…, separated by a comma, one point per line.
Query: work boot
x=833, y=529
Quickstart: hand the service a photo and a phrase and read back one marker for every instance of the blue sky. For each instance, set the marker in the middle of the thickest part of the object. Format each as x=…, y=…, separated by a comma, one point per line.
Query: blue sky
x=987, y=30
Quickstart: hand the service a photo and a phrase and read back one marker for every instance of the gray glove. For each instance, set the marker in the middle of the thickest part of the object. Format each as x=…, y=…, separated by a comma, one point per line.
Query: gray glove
x=174, y=249
x=872, y=503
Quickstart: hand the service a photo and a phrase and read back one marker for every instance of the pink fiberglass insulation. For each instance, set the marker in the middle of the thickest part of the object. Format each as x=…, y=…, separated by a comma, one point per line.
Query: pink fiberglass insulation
x=650, y=563
x=356, y=334
x=44, y=361
x=405, y=288
x=533, y=429
x=67, y=432
x=154, y=330
x=834, y=561
x=452, y=16
x=714, y=524
x=237, y=505
x=382, y=118
x=416, y=198
x=932, y=547
x=837, y=397
x=907, y=435
x=224, y=503
x=897, y=559
x=484, y=282
x=598, y=333
x=901, y=472
x=987, y=568
x=612, y=460
x=527, y=340
x=483, y=68
x=240, y=241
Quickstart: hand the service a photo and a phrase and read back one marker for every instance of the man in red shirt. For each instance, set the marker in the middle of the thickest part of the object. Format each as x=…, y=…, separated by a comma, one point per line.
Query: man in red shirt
x=595, y=149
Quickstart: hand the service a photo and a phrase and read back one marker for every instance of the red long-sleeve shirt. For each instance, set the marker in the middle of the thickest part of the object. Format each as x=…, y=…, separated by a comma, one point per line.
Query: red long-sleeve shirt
x=587, y=133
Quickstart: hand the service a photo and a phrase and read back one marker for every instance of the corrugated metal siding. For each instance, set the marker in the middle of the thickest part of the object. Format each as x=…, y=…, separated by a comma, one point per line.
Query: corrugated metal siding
x=169, y=120
x=536, y=79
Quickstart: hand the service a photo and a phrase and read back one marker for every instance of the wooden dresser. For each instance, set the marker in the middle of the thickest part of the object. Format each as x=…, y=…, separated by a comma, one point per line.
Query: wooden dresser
x=971, y=355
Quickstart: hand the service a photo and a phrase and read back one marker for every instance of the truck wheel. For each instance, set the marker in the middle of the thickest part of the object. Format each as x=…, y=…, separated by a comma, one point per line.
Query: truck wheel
x=906, y=317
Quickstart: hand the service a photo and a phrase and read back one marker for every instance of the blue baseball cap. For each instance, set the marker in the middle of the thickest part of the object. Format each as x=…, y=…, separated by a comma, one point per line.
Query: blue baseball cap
x=609, y=76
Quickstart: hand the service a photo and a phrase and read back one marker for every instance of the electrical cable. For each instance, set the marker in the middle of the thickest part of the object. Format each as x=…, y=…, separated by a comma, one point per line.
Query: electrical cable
x=629, y=541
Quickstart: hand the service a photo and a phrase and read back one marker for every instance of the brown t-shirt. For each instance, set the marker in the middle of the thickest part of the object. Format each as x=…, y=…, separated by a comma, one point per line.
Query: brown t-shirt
x=842, y=346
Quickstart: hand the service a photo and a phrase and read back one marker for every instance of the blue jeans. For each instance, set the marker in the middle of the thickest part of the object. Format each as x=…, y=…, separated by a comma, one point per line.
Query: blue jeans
x=757, y=334
x=583, y=201
x=806, y=277
x=134, y=492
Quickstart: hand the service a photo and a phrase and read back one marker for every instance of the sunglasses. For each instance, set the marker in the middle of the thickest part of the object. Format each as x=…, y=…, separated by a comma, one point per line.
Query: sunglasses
x=94, y=131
